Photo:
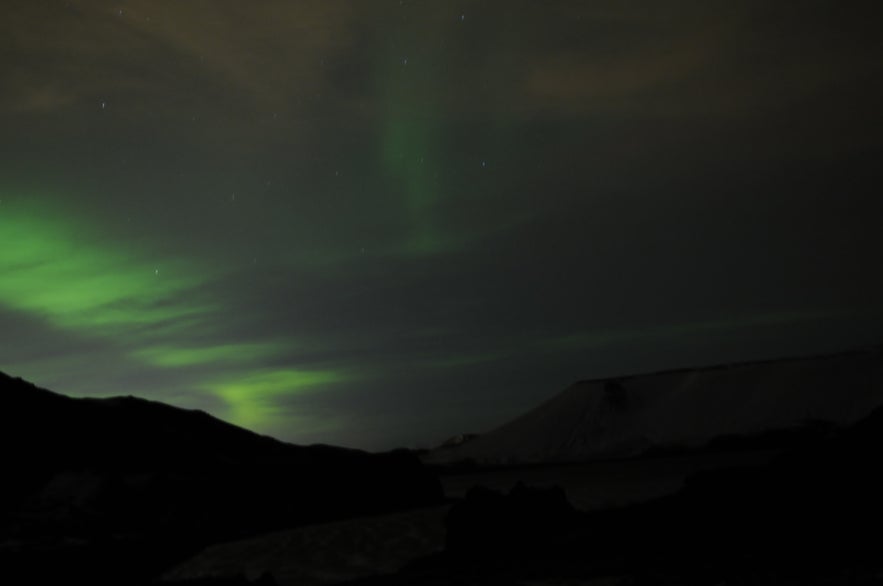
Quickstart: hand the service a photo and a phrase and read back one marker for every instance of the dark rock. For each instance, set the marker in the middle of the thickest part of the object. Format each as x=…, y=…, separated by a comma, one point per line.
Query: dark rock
x=487, y=522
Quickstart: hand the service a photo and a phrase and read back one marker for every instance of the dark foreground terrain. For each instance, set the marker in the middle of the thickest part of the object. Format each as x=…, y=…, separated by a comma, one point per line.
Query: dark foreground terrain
x=126, y=491
x=114, y=491
x=811, y=515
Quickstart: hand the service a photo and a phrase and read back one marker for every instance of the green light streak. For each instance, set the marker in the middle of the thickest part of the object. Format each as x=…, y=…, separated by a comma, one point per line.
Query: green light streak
x=68, y=273
x=59, y=268
x=406, y=146
x=411, y=148
x=252, y=398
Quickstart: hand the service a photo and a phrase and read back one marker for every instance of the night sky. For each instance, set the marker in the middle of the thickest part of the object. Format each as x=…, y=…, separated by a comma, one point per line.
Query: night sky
x=382, y=223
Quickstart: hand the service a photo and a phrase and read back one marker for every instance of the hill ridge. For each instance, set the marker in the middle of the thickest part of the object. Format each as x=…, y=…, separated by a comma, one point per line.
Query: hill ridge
x=687, y=406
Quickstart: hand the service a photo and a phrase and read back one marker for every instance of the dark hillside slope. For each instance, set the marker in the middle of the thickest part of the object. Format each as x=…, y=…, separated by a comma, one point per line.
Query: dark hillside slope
x=104, y=471
x=625, y=416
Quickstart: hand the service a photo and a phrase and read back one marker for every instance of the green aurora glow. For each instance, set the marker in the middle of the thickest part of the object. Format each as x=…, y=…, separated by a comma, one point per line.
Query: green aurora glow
x=251, y=397
x=63, y=270
x=55, y=266
x=385, y=223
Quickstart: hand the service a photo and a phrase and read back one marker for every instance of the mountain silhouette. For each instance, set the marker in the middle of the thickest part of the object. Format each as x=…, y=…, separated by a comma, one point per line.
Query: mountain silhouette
x=809, y=516
x=124, y=474
x=628, y=415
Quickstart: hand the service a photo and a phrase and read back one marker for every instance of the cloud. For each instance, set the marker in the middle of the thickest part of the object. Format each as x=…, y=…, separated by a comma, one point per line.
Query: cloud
x=268, y=54
x=608, y=338
x=693, y=60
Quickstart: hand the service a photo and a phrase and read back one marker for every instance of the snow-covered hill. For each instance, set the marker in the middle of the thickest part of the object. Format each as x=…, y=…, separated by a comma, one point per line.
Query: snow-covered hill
x=626, y=415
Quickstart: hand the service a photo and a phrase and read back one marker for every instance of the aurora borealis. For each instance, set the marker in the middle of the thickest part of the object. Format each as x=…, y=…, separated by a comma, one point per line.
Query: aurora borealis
x=383, y=223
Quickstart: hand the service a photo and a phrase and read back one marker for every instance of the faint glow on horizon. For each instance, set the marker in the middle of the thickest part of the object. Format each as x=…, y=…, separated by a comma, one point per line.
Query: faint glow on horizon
x=252, y=398
x=62, y=270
